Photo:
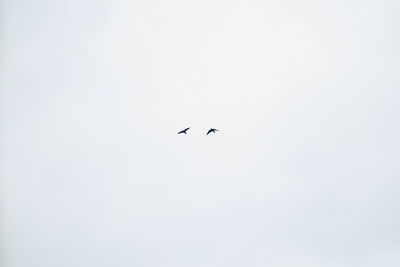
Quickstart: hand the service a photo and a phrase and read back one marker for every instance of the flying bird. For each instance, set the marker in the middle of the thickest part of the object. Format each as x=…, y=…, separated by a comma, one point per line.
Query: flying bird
x=184, y=131
x=212, y=130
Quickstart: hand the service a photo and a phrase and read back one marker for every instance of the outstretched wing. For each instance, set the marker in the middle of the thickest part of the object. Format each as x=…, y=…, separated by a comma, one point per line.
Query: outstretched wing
x=212, y=130
x=184, y=131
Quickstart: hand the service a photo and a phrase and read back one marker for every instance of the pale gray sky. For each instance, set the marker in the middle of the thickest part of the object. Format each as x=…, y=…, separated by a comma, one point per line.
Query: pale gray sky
x=304, y=172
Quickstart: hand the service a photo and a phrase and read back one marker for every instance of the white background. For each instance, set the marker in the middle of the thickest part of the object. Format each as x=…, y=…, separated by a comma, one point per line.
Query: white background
x=304, y=172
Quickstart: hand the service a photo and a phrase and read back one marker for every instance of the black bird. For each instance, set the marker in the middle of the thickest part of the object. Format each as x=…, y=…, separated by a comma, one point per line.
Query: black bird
x=184, y=131
x=212, y=130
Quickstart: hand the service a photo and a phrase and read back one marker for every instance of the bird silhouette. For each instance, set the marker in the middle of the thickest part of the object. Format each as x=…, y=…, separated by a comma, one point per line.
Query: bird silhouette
x=184, y=131
x=212, y=130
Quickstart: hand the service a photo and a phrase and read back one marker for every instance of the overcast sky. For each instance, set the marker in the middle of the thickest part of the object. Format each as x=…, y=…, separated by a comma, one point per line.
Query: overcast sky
x=305, y=170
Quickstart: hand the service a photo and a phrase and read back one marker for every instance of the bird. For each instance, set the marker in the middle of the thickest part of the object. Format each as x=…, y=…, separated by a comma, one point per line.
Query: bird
x=184, y=131
x=212, y=130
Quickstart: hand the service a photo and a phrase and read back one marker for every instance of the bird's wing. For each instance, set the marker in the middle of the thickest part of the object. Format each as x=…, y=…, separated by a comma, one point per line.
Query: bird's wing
x=183, y=131
x=209, y=131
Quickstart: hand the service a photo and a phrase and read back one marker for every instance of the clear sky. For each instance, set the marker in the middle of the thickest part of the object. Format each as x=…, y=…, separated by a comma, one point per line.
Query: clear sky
x=304, y=172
